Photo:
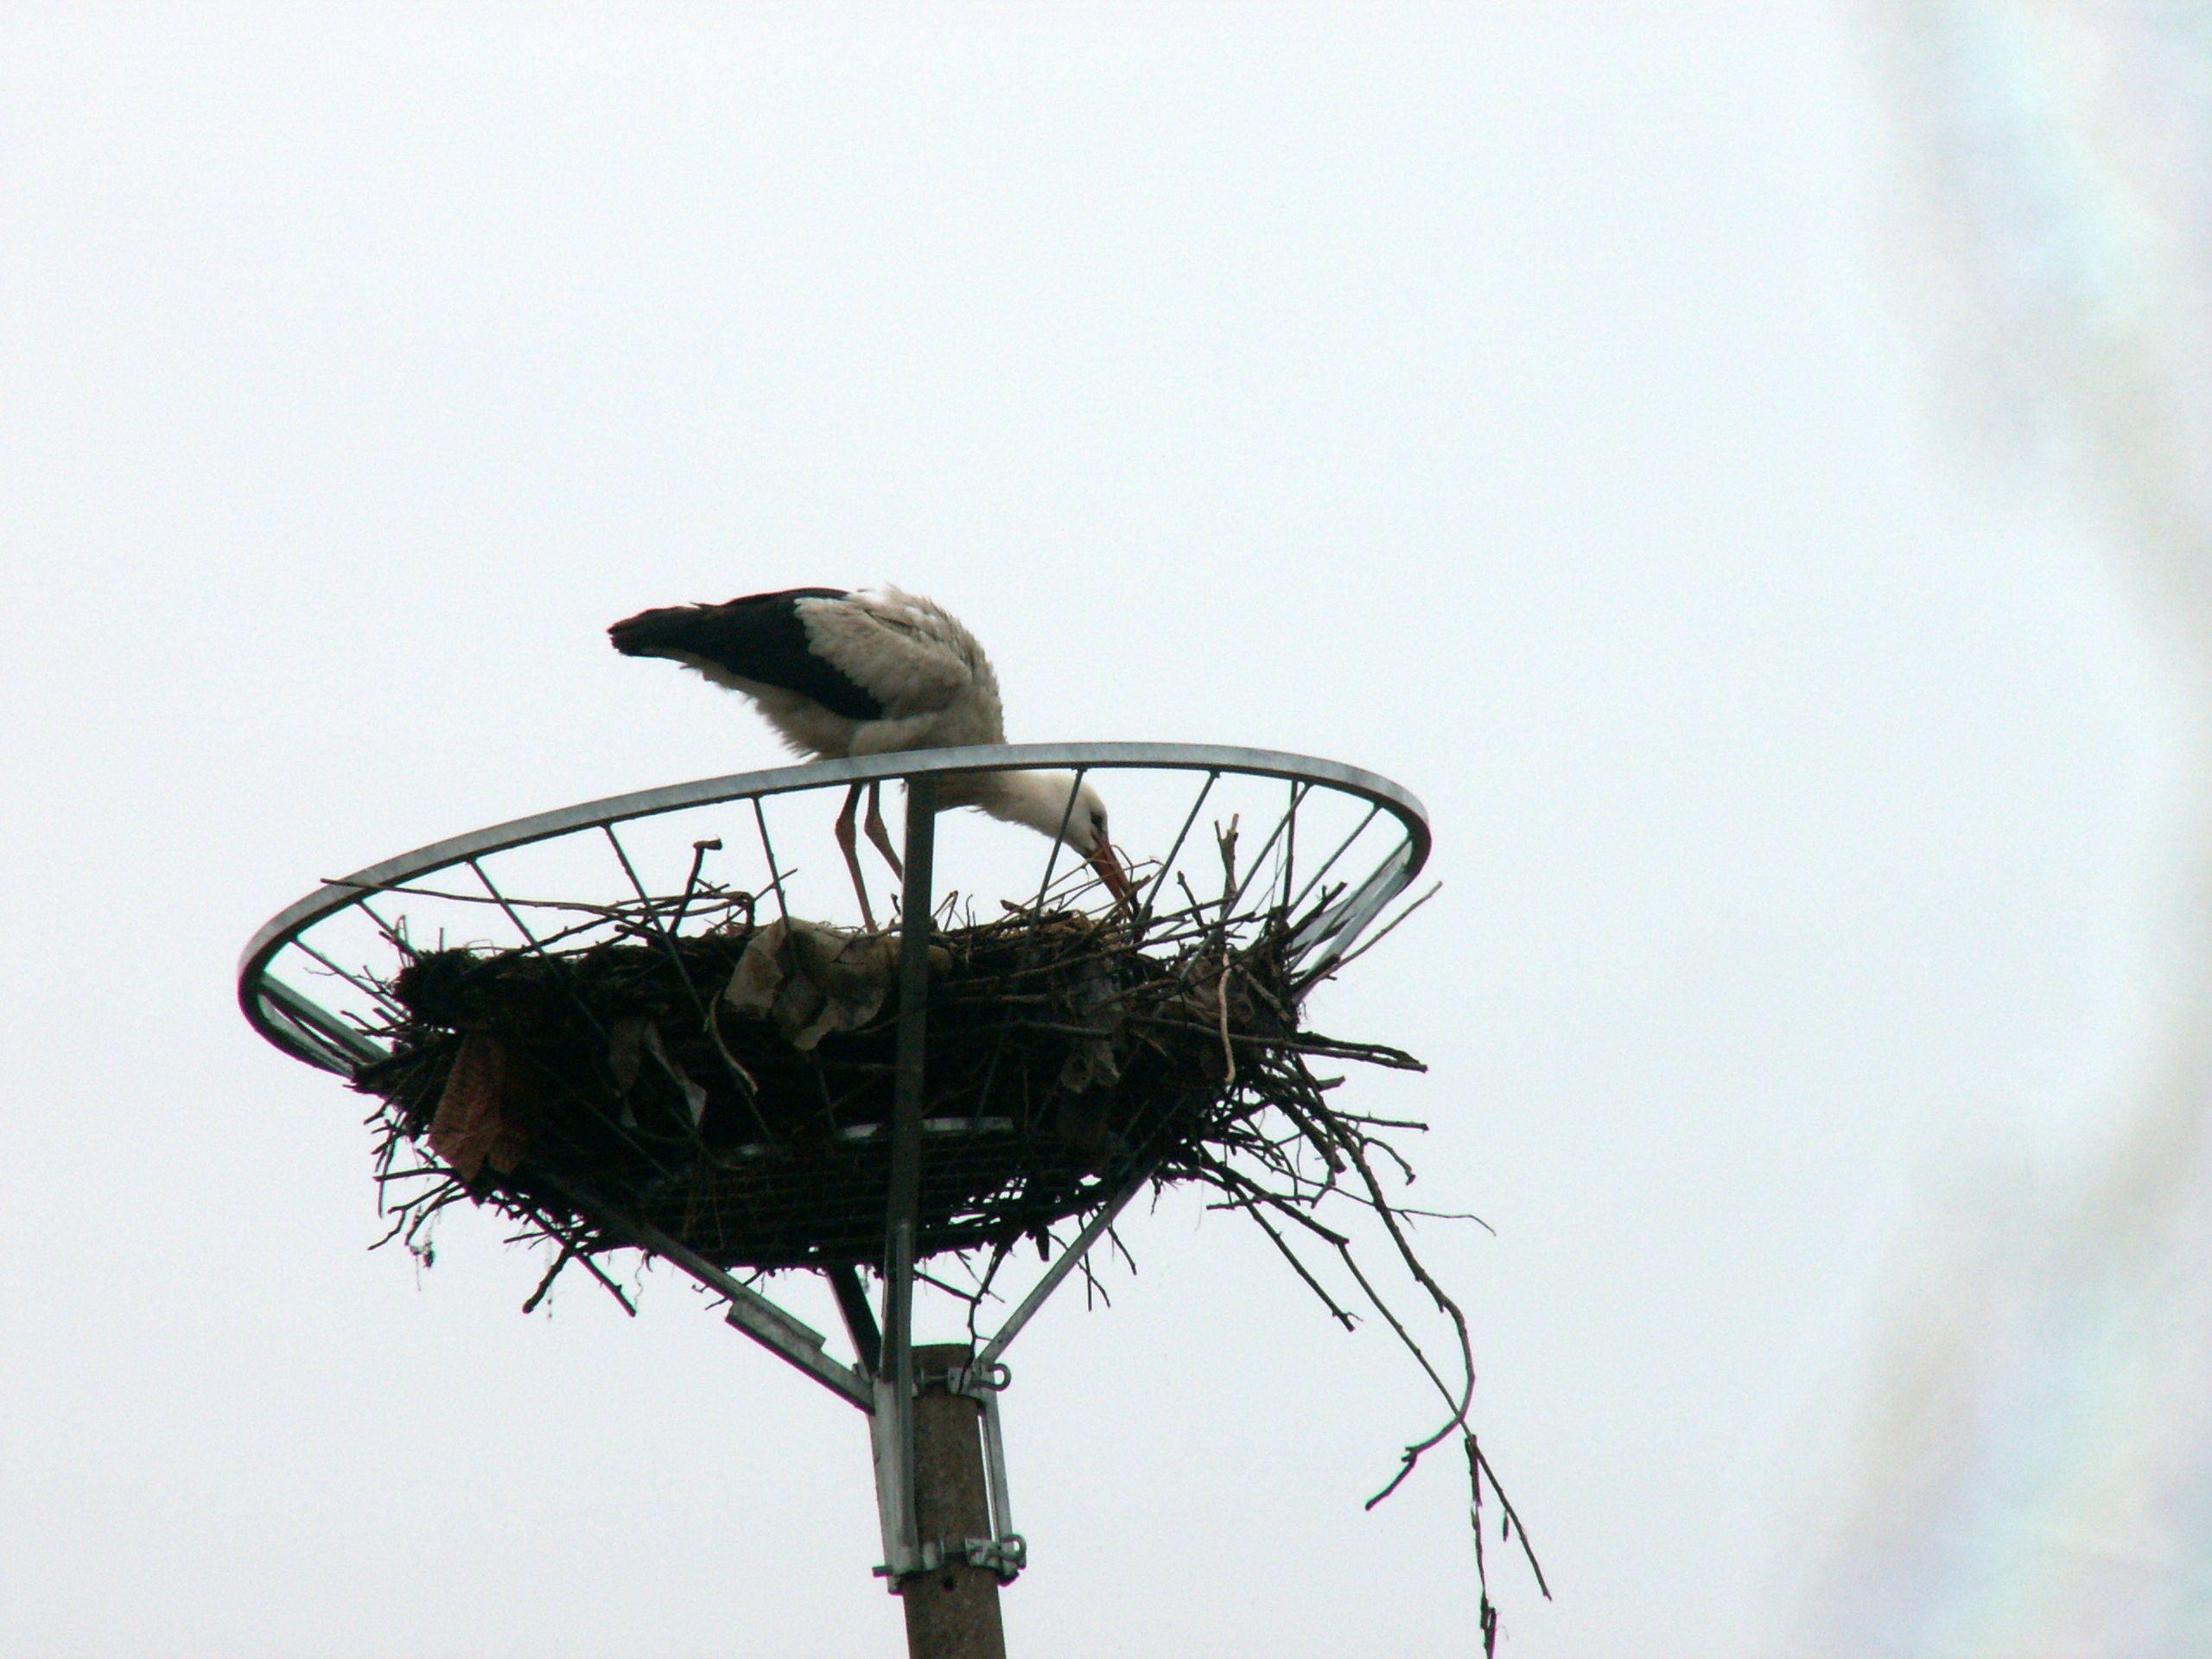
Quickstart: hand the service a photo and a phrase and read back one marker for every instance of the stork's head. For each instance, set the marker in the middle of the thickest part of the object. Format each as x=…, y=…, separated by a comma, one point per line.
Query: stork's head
x=1086, y=833
x=1043, y=800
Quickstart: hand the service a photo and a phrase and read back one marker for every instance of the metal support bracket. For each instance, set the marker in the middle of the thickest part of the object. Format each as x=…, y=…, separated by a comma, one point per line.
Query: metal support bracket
x=859, y=1320
x=1069, y=1259
x=785, y=1335
x=905, y=1553
x=1006, y=1552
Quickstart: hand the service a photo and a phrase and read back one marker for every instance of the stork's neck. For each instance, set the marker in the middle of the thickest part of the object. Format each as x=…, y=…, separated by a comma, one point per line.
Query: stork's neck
x=1039, y=799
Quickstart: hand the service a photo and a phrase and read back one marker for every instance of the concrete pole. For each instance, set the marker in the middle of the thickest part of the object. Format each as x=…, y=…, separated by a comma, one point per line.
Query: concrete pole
x=952, y=1614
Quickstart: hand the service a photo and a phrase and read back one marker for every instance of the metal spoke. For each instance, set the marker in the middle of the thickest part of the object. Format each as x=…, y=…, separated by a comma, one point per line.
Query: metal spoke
x=1259, y=858
x=391, y=934
x=667, y=940
x=358, y=984
x=521, y=927
x=768, y=850
x=1168, y=862
x=315, y=1026
x=1330, y=863
x=1052, y=855
x=1336, y=929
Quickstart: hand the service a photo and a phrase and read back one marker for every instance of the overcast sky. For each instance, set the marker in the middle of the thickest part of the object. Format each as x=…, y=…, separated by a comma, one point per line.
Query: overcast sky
x=1519, y=408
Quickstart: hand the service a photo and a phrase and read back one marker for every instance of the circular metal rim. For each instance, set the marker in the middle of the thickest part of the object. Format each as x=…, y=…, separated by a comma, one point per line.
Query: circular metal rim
x=333, y=896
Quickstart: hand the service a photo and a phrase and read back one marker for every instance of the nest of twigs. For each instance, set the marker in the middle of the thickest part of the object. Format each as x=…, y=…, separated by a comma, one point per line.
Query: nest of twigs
x=732, y=1088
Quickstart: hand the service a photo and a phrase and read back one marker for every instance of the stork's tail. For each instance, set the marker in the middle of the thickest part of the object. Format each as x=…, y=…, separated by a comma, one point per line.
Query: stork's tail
x=658, y=633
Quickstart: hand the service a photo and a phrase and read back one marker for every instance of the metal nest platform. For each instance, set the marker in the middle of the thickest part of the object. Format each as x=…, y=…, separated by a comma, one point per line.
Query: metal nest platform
x=690, y=1042
x=651, y=1022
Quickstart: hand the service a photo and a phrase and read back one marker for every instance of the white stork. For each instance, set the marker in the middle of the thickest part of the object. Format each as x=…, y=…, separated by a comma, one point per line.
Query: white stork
x=841, y=674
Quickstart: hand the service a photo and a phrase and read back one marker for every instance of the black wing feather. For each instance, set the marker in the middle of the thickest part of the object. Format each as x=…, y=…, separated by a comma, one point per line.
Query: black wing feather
x=760, y=637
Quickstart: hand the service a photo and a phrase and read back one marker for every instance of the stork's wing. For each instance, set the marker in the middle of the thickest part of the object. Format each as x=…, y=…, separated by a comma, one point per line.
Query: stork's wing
x=905, y=652
x=761, y=638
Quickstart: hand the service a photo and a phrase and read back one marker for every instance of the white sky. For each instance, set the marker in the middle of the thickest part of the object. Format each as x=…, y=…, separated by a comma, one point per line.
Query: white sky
x=1517, y=408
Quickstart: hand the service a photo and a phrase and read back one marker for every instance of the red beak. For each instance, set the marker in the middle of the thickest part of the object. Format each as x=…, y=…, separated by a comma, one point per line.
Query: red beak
x=1108, y=863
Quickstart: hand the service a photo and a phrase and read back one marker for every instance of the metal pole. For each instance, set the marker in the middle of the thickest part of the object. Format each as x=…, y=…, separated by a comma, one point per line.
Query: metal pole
x=952, y=1611
x=895, y=1392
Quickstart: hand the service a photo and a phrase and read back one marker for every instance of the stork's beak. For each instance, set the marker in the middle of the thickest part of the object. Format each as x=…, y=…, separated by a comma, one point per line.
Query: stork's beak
x=1108, y=863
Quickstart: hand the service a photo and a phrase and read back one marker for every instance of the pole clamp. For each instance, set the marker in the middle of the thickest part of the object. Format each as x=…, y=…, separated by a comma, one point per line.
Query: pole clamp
x=980, y=1383
x=1006, y=1556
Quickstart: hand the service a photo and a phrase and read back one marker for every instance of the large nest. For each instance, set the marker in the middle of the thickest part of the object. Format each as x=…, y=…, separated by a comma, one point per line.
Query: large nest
x=732, y=1088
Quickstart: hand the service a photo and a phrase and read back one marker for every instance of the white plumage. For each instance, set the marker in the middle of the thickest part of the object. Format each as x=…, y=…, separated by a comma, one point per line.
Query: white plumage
x=842, y=673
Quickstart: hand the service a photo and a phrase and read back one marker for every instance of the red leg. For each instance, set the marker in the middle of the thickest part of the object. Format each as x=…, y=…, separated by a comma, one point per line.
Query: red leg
x=846, y=844
x=879, y=834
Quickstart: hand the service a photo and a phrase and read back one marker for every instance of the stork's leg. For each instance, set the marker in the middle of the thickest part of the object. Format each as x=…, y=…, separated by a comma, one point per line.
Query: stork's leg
x=846, y=844
x=879, y=834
